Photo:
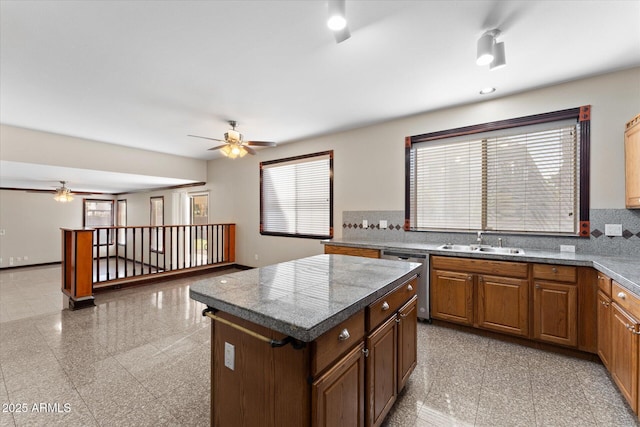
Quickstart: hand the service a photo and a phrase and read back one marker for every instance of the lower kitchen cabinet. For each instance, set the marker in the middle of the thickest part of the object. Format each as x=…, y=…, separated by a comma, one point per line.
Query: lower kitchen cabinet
x=338, y=396
x=555, y=312
x=604, y=328
x=503, y=304
x=382, y=371
x=452, y=296
x=407, y=341
x=624, y=353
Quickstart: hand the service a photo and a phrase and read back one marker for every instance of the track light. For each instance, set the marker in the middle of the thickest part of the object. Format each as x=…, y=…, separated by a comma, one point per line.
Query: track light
x=490, y=52
x=499, y=59
x=337, y=21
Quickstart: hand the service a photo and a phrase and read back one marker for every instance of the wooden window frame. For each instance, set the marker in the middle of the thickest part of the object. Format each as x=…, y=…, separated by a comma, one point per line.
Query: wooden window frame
x=262, y=203
x=581, y=114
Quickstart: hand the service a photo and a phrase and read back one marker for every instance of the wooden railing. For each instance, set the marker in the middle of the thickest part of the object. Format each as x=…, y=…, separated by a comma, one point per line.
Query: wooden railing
x=113, y=255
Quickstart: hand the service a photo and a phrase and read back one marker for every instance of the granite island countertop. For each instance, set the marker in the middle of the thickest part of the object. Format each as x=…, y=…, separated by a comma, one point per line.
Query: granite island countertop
x=306, y=297
x=624, y=270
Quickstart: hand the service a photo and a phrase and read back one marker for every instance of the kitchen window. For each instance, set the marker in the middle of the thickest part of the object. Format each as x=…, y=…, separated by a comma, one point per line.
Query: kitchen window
x=296, y=196
x=525, y=175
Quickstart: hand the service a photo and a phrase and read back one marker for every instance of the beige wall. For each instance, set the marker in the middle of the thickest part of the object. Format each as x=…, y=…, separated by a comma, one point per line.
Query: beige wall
x=368, y=170
x=32, y=146
x=369, y=162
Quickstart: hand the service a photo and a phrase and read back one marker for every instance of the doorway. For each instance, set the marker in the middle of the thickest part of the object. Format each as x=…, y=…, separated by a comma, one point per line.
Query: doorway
x=199, y=235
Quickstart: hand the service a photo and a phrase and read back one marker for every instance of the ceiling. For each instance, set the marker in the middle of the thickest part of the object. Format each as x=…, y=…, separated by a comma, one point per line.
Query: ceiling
x=145, y=74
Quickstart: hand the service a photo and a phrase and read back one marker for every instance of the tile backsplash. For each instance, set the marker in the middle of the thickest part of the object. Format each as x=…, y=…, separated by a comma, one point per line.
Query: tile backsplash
x=628, y=244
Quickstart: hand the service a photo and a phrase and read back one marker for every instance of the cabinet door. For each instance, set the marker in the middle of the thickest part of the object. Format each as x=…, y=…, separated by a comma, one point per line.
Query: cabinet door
x=555, y=314
x=407, y=341
x=503, y=305
x=338, y=395
x=382, y=371
x=624, y=353
x=604, y=329
x=632, y=163
x=452, y=296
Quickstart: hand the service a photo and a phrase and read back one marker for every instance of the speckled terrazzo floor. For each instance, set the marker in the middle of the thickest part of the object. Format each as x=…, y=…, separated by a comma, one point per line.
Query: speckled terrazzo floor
x=141, y=357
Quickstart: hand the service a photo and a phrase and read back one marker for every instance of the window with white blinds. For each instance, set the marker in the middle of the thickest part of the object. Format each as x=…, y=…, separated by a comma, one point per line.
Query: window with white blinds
x=522, y=179
x=296, y=196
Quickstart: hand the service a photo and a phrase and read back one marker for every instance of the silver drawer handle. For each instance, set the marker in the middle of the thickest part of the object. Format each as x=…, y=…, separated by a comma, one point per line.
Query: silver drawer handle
x=409, y=288
x=385, y=306
x=344, y=335
x=621, y=295
x=555, y=270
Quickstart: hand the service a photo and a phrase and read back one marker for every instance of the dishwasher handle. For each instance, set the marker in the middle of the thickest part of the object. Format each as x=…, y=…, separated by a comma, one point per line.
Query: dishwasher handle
x=404, y=255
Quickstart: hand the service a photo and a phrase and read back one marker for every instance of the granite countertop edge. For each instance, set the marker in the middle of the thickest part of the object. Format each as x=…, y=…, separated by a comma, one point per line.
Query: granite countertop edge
x=624, y=270
x=289, y=329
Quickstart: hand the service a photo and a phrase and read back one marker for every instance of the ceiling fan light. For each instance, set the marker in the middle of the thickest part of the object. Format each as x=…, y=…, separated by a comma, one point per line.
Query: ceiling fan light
x=233, y=136
x=226, y=150
x=499, y=58
x=485, y=49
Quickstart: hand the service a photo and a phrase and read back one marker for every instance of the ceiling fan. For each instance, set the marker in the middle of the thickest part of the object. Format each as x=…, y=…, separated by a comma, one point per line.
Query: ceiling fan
x=63, y=194
x=234, y=145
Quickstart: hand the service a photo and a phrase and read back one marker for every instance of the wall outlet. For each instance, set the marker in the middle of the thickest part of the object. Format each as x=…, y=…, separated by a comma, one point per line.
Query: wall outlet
x=365, y=223
x=10, y=260
x=613, y=229
x=229, y=356
x=256, y=257
x=567, y=248
x=2, y=231
x=383, y=224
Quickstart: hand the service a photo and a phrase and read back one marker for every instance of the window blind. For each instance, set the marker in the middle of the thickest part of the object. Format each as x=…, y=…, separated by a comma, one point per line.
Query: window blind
x=524, y=179
x=296, y=196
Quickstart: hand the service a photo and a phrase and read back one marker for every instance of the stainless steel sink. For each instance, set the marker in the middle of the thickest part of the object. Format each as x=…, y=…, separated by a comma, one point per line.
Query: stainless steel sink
x=481, y=248
x=510, y=251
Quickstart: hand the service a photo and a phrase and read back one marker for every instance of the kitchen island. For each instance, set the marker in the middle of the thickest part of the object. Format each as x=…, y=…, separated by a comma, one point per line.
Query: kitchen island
x=324, y=340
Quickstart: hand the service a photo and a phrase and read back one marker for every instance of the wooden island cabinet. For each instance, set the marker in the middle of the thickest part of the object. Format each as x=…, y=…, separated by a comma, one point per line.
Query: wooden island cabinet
x=348, y=375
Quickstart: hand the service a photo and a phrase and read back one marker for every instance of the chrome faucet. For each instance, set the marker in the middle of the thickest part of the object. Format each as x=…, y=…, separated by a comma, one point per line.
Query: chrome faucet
x=479, y=239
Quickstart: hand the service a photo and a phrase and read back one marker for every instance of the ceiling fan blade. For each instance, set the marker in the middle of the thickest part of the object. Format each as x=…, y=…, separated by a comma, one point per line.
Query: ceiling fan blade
x=249, y=149
x=261, y=143
x=206, y=137
x=218, y=147
x=342, y=35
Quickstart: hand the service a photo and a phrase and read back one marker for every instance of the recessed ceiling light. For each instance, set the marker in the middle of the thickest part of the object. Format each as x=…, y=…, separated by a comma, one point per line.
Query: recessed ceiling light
x=487, y=90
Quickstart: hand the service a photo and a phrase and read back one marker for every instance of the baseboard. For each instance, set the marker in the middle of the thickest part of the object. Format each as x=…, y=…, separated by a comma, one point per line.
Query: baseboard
x=43, y=264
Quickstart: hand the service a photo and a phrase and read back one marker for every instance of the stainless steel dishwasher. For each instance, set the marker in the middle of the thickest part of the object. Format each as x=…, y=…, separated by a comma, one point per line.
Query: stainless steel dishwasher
x=423, y=278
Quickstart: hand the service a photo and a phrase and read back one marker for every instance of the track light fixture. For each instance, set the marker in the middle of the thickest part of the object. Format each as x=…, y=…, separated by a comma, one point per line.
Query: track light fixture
x=337, y=21
x=490, y=52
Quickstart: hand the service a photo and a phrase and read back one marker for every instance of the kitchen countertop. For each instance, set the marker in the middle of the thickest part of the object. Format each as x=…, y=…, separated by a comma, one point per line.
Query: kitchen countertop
x=624, y=270
x=306, y=297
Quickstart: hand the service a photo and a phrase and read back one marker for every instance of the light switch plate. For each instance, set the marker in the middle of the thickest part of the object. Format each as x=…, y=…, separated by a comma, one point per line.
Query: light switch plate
x=613, y=229
x=383, y=224
x=229, y=356
x=365, y=223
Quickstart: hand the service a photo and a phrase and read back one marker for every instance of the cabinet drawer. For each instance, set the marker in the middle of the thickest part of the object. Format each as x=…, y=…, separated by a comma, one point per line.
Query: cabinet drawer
x=559, y=273
x=472, y=265
x=333, y=343
x=385, y=306
x=625, y=299
x=604, y=284
x=347, y=250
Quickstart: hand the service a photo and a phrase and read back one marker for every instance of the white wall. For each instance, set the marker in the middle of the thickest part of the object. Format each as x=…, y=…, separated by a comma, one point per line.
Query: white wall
x=369, y=162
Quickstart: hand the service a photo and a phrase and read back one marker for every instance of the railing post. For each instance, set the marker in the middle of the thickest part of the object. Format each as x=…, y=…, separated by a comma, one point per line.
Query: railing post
x=77, y=267
x=230, y=240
